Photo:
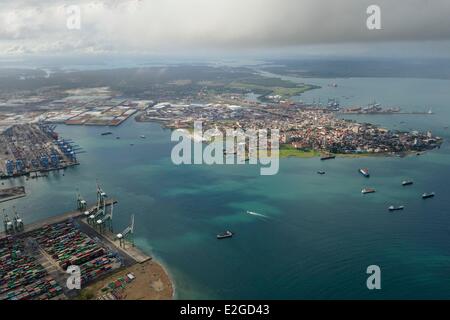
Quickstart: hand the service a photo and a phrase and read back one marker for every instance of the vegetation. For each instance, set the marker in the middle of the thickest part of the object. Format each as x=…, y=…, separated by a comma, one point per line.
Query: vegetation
x=86, y=294
x=271, y=86
x=287, y=150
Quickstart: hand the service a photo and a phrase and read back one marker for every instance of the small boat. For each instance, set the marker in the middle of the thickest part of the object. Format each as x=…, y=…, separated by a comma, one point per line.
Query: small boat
x=117, y=138
x=364, y=172
x=368, y=190
x=328, y=157
x=320, y=172
x=428, y=195
x=142, y=137
x=394, y=208
x=106, y=133
x=407, y=183
x=224, y=235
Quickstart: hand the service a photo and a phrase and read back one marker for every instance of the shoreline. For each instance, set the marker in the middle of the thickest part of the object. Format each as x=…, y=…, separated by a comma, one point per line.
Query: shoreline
x=288, y=151
x=316, y=154
x=163, y=287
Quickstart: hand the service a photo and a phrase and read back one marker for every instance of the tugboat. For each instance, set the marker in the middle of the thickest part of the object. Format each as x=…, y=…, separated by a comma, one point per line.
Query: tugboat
x=394, y=208
x=224, y=235
x=407, y=183
x=368, y=190
x=428, y=195
x=364, y=172
x=328, y=157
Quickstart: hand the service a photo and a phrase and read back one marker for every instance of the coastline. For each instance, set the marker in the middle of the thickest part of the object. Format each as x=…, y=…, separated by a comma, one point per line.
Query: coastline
x=157, y=283
x=153, y=280
x=287, y=151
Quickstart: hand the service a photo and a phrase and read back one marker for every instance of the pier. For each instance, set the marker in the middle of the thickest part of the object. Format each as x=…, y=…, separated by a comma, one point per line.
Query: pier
x=35, y=258
x=53, y=220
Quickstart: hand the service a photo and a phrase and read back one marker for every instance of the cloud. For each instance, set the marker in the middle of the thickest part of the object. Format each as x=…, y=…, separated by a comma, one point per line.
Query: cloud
x=165, y=25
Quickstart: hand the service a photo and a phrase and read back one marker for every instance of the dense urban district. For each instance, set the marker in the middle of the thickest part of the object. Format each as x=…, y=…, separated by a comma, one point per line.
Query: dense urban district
x=32, y=103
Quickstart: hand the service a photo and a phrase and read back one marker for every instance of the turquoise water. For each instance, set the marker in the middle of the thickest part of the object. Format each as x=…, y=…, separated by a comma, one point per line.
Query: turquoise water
x=319, y=234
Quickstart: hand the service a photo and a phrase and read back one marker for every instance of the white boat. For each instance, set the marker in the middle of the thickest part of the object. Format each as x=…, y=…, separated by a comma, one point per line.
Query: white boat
x=394, y=208
x=226, y=234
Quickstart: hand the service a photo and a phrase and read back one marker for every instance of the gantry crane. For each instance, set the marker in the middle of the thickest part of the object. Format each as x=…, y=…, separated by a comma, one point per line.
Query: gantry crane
x=81, y=203
x=127, y=234
x=8, y=225
x=18, y=222
x=106, y=222
x=100, y=209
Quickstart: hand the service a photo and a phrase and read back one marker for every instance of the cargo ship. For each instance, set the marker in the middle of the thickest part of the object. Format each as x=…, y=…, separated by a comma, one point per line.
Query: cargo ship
x=428, y=195
x=328, y=157
x=394, y=208
x=368, y=190
x=407, y=183
x=364, y=172
x=226, y=234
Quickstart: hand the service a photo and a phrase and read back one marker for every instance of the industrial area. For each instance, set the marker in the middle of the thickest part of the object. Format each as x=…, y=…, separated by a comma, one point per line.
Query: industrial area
x=35, y=258
x=34, y=148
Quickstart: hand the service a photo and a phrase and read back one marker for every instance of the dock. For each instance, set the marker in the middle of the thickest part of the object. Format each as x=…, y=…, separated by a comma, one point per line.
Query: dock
x=12, y=193
x=55, y=219
x=36, y=257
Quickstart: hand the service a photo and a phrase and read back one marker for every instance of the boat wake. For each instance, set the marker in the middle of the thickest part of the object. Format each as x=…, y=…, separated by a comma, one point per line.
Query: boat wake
x=258, y=214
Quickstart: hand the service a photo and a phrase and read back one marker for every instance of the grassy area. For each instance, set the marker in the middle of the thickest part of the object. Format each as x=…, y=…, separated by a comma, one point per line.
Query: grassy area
x=289, y=151
x=284, y=91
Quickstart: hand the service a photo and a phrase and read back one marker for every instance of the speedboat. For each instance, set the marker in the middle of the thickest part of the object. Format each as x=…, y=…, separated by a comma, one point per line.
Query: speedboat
x=394, y=208
x=224, y=235
x=368, y=190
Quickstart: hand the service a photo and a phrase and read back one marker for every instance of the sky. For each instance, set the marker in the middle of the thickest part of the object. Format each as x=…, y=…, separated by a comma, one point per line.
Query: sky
x=39, y=27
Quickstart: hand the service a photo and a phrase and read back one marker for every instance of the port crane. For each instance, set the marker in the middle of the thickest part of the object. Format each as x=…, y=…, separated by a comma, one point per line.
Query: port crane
x=127, y=234
x=101, y=195
x=97, y=212
x=81, y=203
x=101, y=206
x=106, y=220
x=8, y=225
x=18, y=222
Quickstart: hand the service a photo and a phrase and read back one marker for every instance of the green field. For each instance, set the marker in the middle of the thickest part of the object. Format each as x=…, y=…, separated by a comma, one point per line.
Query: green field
x=271, y=86
x=287, y=150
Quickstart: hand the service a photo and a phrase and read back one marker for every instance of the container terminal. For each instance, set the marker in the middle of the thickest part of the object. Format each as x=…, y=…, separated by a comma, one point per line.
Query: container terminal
x=29, y=149
x=34, y=258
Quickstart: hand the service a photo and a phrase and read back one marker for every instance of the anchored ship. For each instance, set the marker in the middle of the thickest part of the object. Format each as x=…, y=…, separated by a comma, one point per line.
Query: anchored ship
x=364, y=172
x=428, y=195
x=328, y=157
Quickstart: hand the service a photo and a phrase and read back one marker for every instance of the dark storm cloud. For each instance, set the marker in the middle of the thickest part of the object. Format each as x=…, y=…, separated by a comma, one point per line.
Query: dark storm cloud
x=154, y=25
